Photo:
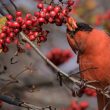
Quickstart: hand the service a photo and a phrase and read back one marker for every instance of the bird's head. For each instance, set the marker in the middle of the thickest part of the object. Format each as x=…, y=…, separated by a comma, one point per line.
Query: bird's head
x=77, y=33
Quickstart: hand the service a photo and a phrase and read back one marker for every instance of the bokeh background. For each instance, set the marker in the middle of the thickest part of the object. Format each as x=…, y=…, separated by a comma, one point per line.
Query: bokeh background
x=41, y=87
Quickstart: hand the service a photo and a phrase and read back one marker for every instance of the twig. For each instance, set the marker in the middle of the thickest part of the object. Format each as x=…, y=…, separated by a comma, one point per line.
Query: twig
x=14, y=78
x=4, y=5
x=2, y=12
x=13, y=4
x=74, y=80
x=19, y=103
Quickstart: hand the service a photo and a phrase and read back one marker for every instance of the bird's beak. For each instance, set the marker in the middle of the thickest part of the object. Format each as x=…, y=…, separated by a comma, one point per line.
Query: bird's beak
x=71, y=24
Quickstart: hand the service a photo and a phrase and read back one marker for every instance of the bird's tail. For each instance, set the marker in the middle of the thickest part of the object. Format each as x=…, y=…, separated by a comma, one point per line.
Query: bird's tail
x=102, y=102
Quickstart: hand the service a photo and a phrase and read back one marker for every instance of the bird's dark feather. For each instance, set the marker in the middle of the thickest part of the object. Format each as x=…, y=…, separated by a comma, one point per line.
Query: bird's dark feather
x=80, y=27
x=83, y=27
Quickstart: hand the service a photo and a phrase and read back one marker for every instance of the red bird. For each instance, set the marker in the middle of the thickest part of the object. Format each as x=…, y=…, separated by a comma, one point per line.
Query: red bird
x=93, y=48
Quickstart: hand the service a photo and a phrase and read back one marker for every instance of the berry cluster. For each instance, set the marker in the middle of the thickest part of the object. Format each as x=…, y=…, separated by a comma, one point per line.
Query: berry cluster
x=90, y=92
x=78, y=106
x=31, y=25
x=59, y=56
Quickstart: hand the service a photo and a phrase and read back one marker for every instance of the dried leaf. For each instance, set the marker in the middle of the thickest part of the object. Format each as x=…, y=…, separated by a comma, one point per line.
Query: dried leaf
x=2, y=22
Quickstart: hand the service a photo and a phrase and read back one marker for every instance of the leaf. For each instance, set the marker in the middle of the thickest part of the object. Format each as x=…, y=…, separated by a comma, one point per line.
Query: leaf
x=2, y=22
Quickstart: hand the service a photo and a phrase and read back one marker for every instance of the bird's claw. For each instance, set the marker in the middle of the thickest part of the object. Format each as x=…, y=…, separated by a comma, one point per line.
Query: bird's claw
x=77, y=90
x=106, y=90
x=84, y=83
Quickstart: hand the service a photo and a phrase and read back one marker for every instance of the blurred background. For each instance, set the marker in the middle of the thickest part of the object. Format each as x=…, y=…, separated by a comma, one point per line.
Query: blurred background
x=40, y=86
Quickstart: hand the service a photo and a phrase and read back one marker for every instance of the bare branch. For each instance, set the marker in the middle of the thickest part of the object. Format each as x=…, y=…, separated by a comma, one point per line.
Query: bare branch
x=19, y=103
x=13, y=4
x=4, y=5
x=74, y=80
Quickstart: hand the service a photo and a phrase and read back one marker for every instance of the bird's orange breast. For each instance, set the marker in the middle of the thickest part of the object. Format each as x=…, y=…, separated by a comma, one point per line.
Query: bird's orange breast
x=96, y=55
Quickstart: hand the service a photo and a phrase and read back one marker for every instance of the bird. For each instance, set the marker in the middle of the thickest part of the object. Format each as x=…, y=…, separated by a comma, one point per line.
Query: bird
x=92, y=47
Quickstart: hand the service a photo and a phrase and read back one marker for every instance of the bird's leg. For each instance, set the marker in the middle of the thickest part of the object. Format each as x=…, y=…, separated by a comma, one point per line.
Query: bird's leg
x=86, y=82
x=77, y=90
x=107, y=90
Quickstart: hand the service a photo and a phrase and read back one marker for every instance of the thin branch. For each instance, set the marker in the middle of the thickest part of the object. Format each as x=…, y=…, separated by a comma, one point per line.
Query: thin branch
x=13, y=4
x=19, y=103
x=4, y=5
x=14, y=78
x=2, y=12
x=74, y=80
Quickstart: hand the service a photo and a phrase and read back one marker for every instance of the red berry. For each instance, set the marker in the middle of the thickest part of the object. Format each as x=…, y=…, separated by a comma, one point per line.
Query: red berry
x=28, y=46
x=9, y=23
x=23, y=26
x=40, y=5
x=44, y=10
x=8, y=40
x=18, y=13
x=16, y=24
x=43, y=38
x=11, y=35
x=32, y=37
x=57, y=9
x=51, y=20
x=4, y=28
x=41, y=20
x=9, y=17
x=36, y=34
x=52, y=13
x=2, y=35
x=47, y=15
x=1, y=41
x=28, y=16
x=36, y=14
x=74, y=105
x=50, y=8
x=42, y=14
x=34, y=19
x=65, y=12
x=70, y=2
x=26, y=31
x=19, y=19
x=28, y=23
x=84, y=105
x=16, y=31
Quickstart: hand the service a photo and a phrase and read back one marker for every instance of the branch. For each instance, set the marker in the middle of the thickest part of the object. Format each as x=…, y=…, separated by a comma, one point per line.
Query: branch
x=74, y=80
x=19, y=103
x=13, y=4
x=4, y=5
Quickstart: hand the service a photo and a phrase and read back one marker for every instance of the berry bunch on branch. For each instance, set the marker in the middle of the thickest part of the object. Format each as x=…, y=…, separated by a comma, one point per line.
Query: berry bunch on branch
x=31, y=25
